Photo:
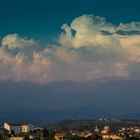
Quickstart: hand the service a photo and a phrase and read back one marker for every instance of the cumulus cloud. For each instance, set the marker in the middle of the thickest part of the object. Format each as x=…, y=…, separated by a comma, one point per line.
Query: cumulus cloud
x=13, y=41
x=88, y=49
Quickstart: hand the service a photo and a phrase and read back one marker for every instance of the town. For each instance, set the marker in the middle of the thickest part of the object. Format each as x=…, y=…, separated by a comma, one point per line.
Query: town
x=103, y=132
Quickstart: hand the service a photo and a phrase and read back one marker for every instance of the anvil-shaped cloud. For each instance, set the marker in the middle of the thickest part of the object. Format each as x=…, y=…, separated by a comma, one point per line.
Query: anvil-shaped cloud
x=88, y=49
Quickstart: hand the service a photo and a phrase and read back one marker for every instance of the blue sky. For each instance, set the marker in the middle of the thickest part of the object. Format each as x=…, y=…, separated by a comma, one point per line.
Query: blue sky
x=43, y=18
x=72, y=40
x=84, y=41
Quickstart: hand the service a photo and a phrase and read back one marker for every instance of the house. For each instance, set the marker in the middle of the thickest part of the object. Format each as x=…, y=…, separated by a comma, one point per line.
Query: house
x=16, y=138
x=112, y=136
x=60, y=136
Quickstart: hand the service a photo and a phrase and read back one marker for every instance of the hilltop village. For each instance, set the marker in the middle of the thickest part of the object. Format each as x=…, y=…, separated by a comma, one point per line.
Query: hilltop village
x=106, y=129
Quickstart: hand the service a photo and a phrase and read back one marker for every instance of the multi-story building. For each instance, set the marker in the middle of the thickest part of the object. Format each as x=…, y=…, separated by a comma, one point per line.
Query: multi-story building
x=17, y=128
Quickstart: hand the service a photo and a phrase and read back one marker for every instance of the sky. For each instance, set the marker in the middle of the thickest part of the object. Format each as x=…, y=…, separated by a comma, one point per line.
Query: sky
x=42, y=19
x=45, y=41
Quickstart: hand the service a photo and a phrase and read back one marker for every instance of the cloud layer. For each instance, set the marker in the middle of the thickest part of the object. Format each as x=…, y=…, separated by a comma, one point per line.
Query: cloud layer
x=89, y=48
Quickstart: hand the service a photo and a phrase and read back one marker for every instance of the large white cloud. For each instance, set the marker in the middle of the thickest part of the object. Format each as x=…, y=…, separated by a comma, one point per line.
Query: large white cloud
x=89, y=48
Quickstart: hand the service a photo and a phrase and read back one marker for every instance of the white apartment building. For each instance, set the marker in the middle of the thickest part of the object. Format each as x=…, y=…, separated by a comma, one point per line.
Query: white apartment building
x=17, y=128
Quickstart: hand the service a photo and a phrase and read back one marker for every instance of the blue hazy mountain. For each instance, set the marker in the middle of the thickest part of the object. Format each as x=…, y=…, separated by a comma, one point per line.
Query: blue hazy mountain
x=68, y=99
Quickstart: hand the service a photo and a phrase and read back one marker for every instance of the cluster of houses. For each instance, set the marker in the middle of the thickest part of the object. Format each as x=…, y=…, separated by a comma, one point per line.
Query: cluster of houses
x=104, y=134
x=29, y=132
